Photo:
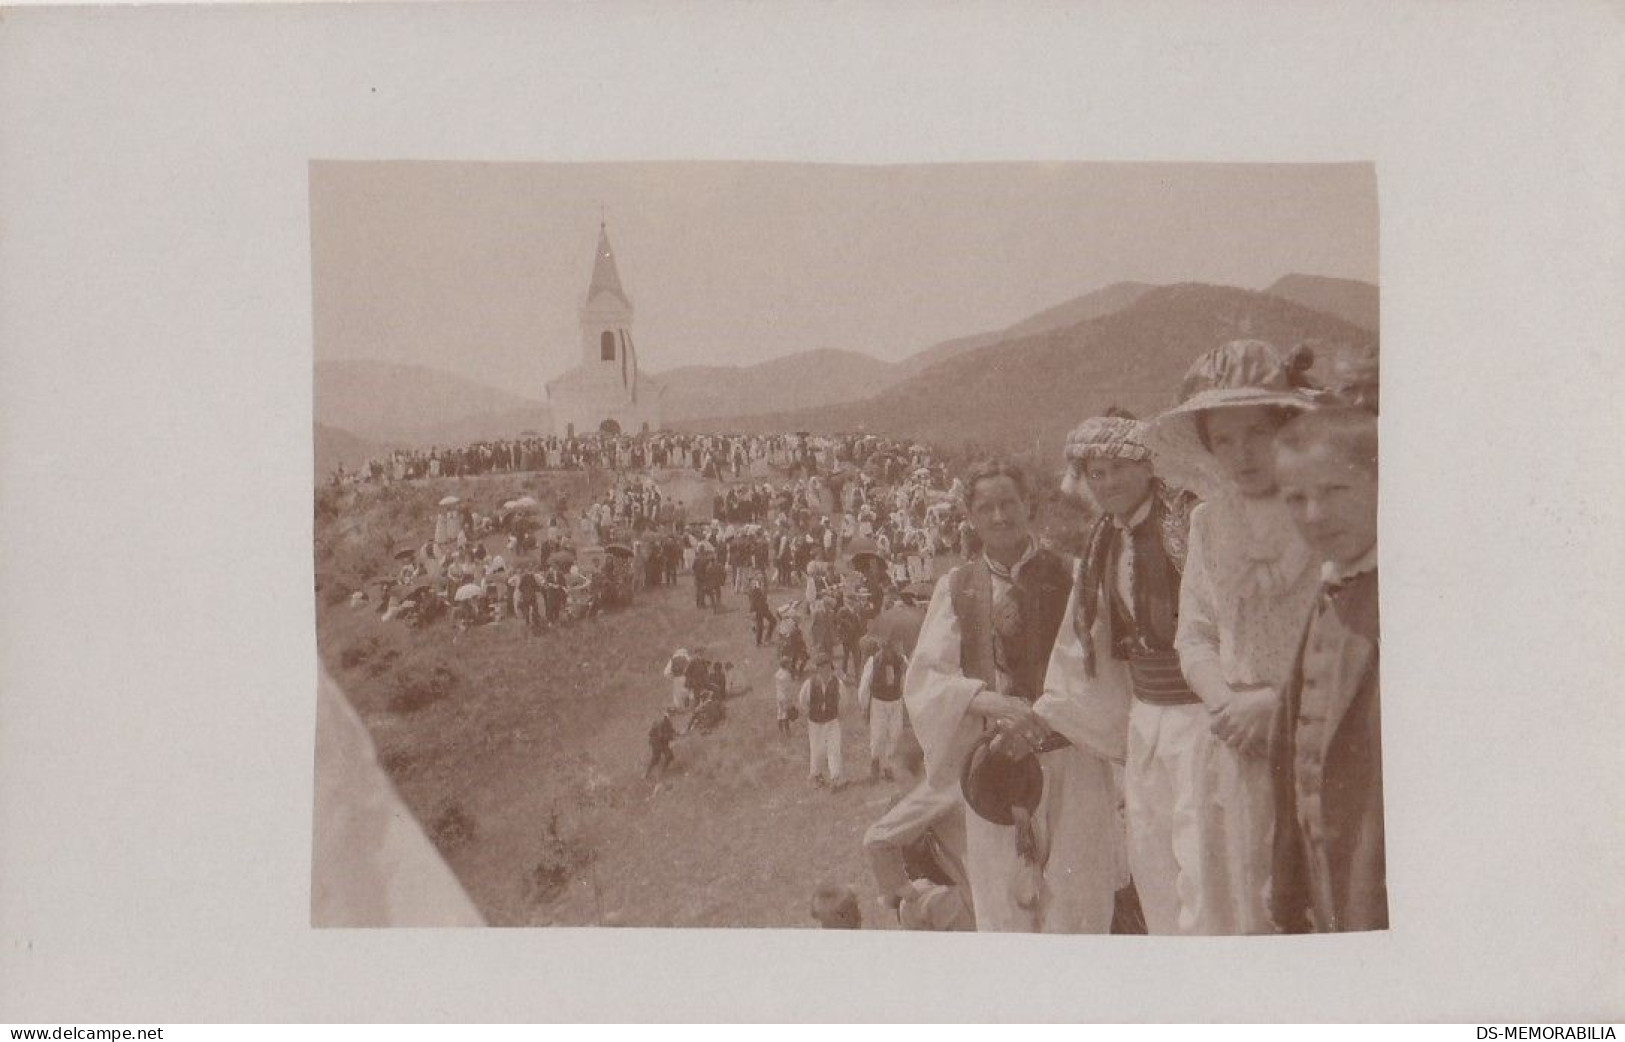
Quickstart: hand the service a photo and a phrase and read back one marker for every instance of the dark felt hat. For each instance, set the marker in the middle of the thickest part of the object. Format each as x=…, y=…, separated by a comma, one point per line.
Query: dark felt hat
x=995, y=784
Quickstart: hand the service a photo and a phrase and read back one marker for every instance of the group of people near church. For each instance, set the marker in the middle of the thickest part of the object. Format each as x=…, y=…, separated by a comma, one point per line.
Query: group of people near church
x=721, y=456
x=1188, y=714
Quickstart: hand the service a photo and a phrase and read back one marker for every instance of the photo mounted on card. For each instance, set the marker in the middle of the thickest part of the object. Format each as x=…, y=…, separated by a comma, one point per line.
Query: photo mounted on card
x=935, y=547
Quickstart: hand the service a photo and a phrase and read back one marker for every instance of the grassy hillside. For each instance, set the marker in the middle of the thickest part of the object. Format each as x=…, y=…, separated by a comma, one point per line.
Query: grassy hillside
x=522, y=757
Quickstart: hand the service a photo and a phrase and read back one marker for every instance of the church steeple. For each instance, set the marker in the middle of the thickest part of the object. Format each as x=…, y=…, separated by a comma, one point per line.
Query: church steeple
x=606, y=392
x=605, y=279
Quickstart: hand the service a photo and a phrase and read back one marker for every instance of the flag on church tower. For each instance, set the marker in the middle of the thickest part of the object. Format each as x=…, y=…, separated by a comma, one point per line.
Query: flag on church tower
x=630, y=349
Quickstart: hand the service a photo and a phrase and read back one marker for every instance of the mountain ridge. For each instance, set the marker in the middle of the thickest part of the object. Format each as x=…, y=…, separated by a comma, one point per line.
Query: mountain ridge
x=1351, y=300
x=1133, y=358
x=389, y=404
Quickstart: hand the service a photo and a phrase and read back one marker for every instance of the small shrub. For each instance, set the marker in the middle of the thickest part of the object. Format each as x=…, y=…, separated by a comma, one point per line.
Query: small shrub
x=359, y=653
x=371, y=564
x=451, y=828
x=559, y=859
x=334, y=594
x=416, y=686
x=382, y=661
x=399, y=764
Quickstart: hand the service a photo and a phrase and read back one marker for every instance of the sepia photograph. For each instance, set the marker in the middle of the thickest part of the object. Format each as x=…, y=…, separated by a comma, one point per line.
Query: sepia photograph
x=812, y=513
x=936, y=547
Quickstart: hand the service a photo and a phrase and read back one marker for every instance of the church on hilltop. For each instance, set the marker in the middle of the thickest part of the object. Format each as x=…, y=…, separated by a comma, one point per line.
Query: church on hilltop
x=605, y=393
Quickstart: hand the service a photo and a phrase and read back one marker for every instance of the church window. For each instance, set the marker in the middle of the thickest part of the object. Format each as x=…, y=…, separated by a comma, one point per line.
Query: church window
x=606, y=346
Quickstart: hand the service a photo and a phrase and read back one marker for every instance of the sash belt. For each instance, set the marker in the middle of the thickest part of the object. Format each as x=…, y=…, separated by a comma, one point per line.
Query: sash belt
x=1158, y=680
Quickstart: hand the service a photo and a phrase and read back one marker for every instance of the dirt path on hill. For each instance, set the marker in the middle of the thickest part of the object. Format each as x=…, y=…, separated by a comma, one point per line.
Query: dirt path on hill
x=528, y=772
x=734, y=834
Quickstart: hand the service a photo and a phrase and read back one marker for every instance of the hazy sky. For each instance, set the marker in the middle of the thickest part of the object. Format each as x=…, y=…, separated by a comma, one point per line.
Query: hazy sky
x=480, y=268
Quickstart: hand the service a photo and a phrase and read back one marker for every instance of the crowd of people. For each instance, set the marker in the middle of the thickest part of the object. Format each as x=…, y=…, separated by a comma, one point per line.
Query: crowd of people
x=719, y=456
x=1177, y=732
x=489, y=564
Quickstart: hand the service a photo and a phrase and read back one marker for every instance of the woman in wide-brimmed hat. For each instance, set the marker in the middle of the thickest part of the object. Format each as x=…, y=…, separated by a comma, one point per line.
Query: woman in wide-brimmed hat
x=1114, y=686
x=1246, y=590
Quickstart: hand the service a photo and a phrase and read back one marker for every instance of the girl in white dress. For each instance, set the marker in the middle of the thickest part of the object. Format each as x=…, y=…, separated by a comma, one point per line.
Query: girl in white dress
x=1249, y=582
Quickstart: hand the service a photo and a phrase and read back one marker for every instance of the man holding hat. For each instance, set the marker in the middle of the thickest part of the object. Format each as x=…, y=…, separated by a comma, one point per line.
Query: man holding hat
x=977, y=668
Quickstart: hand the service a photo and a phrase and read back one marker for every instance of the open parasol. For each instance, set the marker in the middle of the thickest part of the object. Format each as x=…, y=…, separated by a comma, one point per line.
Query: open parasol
x=469, y=591
x=451, y=501
x=862, y=548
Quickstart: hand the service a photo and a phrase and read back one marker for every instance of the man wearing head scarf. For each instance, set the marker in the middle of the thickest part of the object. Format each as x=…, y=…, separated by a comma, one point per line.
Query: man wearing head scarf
x=1114, y=683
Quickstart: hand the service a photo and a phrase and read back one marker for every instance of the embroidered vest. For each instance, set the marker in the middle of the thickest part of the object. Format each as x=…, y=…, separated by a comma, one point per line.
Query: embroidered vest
x=1149, y=625
x=1042, y=586
x=824, y=701
x=887, y=683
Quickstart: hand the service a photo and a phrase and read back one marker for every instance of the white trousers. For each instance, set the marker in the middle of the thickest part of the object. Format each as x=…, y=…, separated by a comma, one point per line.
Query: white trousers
x=885, y=728
x=1200, y=818
x=1080, y=844
x=824, y=741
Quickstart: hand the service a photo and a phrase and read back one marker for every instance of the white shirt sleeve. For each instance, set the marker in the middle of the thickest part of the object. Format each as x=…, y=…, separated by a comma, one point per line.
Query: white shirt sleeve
x=938, y=694
x=865, y=682
x=1197, y=639
x=1092, y=712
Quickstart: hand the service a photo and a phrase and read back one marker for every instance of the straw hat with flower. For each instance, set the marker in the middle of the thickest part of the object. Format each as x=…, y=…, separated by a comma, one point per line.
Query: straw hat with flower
x=1236, y=375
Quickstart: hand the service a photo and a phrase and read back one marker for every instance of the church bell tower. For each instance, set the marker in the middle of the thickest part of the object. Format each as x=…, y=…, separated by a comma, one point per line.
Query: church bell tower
x=605, y=392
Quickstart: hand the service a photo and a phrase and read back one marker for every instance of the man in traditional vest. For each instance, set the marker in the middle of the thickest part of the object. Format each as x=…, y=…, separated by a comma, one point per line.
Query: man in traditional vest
x=880, y=693
x=977, y=668
x=761, y=613
x=821, y=701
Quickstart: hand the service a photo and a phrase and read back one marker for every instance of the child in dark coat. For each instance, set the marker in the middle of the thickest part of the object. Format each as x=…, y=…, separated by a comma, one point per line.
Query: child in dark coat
x=661, y=735
x=1329, y=871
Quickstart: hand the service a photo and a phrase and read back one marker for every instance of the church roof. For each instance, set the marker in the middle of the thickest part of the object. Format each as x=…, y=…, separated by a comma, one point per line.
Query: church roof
x=605, y=279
